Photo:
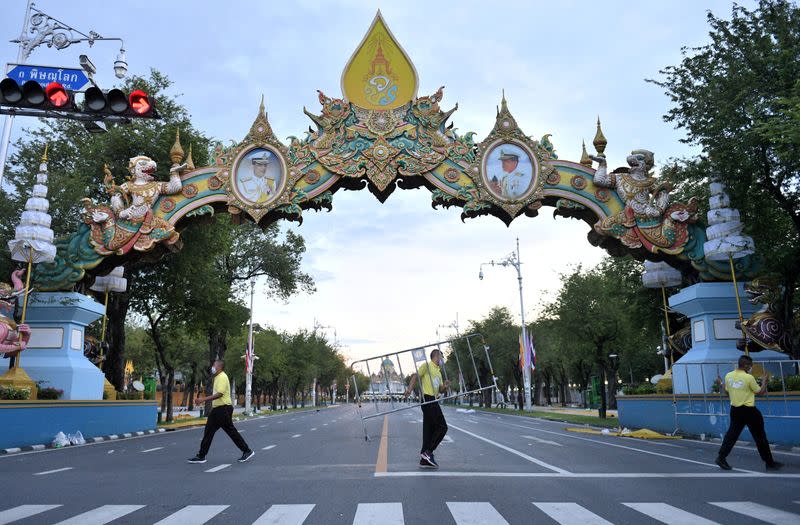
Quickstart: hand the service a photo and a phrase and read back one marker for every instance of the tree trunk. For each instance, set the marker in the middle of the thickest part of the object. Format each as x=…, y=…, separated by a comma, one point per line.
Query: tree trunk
x=612, y=390
x=603, y=403
x=114, y=364
x=170, y=386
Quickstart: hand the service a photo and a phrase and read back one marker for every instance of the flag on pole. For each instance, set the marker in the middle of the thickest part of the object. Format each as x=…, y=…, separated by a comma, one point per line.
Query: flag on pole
x=532, y=351
x=521, y=351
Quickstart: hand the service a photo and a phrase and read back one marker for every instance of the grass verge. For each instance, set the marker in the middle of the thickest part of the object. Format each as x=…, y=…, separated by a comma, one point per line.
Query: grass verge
x=199, y=421
x=596, y=421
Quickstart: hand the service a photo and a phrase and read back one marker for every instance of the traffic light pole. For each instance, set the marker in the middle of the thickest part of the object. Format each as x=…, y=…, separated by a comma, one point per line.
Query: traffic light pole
x=10, y=118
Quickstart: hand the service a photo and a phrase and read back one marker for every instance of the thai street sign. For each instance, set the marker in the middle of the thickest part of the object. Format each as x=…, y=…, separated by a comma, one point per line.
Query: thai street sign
x=71, y=79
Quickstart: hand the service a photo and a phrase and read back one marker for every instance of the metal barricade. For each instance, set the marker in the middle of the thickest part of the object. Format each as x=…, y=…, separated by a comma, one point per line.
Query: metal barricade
x=695, y=390
x=387, y=384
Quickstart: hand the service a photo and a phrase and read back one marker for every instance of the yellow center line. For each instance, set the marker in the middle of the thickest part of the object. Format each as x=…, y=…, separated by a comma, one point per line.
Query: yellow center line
x=383, y=450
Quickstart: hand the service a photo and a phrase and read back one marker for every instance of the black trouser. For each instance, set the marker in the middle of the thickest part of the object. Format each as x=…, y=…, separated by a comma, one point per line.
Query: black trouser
x=434, y=427
x=221, y=418
x=750, y=416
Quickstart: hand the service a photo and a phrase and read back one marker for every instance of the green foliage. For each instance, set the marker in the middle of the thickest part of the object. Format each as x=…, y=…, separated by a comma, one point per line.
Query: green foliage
x=738, y=97
x=12, y=393
x=789, y=383
x=48, y=392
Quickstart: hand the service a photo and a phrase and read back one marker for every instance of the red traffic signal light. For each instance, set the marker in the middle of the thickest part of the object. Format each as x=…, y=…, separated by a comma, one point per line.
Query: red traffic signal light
x=140, y=102
x=56, y=94
x=116, y=102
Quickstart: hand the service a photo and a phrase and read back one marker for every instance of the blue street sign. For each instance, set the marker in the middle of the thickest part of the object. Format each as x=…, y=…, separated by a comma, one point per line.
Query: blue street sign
x=71, y=79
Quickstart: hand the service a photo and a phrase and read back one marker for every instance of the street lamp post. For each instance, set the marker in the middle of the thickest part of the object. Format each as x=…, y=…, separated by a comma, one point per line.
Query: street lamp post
x=44, y=29
x=513, y=260
x=249, y=354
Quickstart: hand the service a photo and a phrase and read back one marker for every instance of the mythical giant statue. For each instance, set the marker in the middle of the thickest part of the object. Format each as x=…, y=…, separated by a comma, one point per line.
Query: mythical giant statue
x=13, y=337
x=129, y=223
x=648, y=219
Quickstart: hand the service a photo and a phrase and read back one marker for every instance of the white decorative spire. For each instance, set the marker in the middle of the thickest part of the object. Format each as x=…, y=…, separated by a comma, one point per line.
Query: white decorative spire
x=660, y=275
x=113, y=282
x=33, y=239
x=724, y=230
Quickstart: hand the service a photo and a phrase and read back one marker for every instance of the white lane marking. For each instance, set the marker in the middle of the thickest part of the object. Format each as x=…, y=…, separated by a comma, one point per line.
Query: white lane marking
x=101, y=515
x=383, y=513
x=297, y=435
x=192, y=515
x=652, y=442
x=262, y=426
x=580, y=475
x=53, y=471
x=475, y=513
x=219, y=467
x=759, y=512
x=599, y=442
x=324, y=424
x=669, y=514
x=151, y=449
x=515, y=452
x=447, y=439
x=546, y=442
x=313, y=429
x=571, y=514
x=268, y=447
x=23, y=511
x=281, y=421
x=285, y=515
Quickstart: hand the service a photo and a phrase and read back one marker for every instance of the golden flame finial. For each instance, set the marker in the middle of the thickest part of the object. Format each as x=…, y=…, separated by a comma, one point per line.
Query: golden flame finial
x=189, y=159
x=261, y=110
x=585, y=160
x=599, y=141
x=176, y=152
x=44, y=155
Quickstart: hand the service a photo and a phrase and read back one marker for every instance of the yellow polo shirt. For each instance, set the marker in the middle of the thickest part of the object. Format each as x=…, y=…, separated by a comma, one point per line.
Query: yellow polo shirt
x=223, y=386
x=430, y=376
x=741, y=388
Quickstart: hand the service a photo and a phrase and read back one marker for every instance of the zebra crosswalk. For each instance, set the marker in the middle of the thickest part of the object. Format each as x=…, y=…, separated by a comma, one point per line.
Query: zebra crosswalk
x=392, y=513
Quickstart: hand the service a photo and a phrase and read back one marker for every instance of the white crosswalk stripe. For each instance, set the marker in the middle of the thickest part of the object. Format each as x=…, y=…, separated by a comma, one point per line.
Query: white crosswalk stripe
x=475, y=513
x=101, y=515
x=23, y=511
x=462, y=512
x=759, y=512
x=285, y=515
x=379, y=513
x=570, y=514
x=193, y=515
x=669, y=514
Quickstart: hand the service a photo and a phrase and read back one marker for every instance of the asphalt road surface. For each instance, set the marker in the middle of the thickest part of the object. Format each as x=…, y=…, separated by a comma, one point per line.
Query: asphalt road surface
x=316, y=468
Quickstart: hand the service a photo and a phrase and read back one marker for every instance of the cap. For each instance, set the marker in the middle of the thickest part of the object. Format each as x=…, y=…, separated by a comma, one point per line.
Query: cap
x=262, y=160
x=508, y=156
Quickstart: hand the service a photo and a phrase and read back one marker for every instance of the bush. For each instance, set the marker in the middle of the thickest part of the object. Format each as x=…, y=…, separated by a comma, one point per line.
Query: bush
x=643, y=389
x=646, y=388
x=50, y=393
x=792, y=384
x=9, y=392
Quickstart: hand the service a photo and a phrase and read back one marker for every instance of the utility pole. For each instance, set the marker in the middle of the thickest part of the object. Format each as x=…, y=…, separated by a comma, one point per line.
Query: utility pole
x=249, y=355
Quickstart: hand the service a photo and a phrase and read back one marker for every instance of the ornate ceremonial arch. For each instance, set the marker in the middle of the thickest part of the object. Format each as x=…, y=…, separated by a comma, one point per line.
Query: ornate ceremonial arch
x=381, y=135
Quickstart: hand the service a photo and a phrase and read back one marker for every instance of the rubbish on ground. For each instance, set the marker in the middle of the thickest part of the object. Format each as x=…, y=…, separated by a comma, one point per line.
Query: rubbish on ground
x=60, y=440
x=643, y=433
x=76, y=438
x=466, y=410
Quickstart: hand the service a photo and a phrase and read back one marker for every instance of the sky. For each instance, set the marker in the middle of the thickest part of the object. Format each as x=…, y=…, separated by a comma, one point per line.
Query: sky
x=392, y=276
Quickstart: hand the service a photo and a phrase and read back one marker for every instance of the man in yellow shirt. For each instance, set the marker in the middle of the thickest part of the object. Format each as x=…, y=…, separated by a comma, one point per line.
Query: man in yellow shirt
x=742, y=389
x=221, y=416
x=434, y=426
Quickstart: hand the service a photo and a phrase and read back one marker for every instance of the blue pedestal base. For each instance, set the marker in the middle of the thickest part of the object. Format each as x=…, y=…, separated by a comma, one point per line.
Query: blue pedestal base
x=55, y=353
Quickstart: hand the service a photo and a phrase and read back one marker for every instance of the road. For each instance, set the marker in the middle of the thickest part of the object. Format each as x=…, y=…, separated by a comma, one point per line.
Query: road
x=316, y=468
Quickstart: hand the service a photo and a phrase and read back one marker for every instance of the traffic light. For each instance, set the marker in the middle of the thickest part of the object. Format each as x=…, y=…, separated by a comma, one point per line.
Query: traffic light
x=54, y=100
x=115, y=102
x=32, y=95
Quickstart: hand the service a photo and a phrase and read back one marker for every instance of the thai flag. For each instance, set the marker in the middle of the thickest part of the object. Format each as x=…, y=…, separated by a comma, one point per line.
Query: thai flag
x=248, y=357
x=532, y=352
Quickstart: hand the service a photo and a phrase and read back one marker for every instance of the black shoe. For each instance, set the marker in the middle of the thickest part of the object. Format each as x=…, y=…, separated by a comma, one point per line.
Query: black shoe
x=425, y=464
x=246, y=456
x=433, y=460
x=197, y=459
x=425, y=457
x=774, y=465
x=722, y=464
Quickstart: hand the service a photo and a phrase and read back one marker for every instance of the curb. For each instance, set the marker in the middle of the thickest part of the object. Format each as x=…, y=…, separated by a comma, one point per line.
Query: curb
x=98, y=439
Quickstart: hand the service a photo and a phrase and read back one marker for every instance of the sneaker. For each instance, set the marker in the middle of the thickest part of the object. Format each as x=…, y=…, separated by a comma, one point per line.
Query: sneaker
x=246, y=456
x=197, y=459
x=433, y=460
x=722, y=463
x=427, y=458
x=425, y=464
x=774, y=465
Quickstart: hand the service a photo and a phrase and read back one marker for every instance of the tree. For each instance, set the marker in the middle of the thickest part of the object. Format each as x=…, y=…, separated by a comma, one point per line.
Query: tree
x=738, y=97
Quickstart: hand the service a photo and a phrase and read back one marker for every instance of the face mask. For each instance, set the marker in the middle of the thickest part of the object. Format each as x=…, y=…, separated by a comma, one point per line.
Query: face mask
x=213, y=369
